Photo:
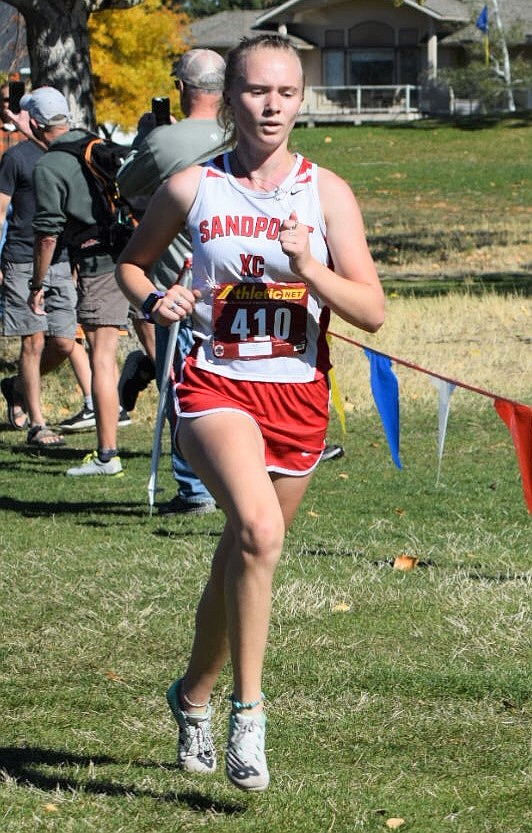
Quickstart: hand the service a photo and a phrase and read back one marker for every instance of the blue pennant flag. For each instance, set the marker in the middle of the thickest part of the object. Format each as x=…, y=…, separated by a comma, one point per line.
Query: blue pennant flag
x=482, y=20
x=385, y=390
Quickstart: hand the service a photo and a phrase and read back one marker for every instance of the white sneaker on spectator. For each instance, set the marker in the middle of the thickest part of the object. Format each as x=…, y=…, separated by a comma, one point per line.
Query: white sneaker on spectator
x=92, y=465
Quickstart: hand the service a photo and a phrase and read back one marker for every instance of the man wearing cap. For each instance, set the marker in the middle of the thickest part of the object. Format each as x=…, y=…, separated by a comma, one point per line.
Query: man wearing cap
x=158, y=152
x=65, y=204
x=47, y=333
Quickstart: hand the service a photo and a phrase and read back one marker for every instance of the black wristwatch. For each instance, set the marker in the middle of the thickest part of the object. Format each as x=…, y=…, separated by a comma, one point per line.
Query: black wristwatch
x=34, y=288
x=149, y=304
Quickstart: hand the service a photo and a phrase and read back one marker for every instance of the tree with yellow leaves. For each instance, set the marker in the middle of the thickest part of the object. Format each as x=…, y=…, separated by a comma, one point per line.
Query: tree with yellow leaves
x=131, y=57
x=58, y=45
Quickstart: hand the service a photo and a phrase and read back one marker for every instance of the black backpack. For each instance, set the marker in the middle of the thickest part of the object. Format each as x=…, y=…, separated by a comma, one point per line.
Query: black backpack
x=116, y=217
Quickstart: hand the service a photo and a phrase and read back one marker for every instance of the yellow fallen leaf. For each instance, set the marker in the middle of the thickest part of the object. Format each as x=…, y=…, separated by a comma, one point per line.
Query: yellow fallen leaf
x=327, y=139
x=50, y=808
x=112, y=675
x=341, y=607
x=393, y=824
x=313, y=514
x=405, y=562
x=343, y=475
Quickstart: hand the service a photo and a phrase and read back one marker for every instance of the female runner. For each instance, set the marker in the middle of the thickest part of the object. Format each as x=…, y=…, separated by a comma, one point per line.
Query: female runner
x=277, y=242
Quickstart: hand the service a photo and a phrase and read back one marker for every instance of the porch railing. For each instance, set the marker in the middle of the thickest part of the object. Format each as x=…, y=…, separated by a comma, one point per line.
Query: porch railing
x=337, y=102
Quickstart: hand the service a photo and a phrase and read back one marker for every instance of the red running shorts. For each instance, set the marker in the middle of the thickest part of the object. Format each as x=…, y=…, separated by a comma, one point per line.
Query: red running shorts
x=292, y=418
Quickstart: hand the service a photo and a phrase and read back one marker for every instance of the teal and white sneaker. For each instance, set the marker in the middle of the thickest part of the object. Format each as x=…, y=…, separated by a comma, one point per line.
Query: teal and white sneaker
x=195, y=746
x=92, y=465
x=245, y=760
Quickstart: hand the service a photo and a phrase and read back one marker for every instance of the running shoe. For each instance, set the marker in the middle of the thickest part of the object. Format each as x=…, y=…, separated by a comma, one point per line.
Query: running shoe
x=245, y=759
x=178, y=506
x=195, y=746
x=82, y=421
x=92, y=465
x=124, y=418
x=332, y=452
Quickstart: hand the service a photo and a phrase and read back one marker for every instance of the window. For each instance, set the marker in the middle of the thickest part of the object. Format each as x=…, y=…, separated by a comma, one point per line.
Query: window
x=371, y=56
x=377, y=55
x=371, y=67
x=370, y=34
x=408, y=65
x=333, y=69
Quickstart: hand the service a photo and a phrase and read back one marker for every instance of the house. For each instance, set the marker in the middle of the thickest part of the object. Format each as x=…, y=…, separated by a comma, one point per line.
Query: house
x=363, y=59
x=370, y=59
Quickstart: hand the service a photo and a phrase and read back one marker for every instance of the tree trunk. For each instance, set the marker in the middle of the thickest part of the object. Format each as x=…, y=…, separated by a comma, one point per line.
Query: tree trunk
x=505, y=58
x=58, y=48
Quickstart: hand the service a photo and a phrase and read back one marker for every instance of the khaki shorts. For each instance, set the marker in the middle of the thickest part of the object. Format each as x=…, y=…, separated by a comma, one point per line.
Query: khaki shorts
x=59, y=301
x=101, y=302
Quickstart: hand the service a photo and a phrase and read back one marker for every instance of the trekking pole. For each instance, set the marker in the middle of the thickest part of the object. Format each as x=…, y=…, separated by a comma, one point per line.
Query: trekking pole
x=185, y=279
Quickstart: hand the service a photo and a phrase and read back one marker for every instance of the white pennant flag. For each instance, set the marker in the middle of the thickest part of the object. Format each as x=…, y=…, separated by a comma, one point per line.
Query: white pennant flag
x=445, y=390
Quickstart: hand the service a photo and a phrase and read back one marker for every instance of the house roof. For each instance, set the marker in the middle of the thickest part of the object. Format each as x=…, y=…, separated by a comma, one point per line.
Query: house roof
x=455, y=11
x=516, y=17
x=225, y=30
x=451, y=10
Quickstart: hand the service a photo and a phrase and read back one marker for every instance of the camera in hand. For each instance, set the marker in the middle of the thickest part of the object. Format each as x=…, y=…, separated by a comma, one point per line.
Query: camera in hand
x=160, y=108
x=16, y=91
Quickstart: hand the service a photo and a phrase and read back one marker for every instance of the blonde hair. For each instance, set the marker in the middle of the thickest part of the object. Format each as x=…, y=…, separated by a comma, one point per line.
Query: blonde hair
x=234, y=61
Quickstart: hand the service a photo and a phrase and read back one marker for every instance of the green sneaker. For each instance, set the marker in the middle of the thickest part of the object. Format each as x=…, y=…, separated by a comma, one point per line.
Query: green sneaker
x=195, y=746
x=245, y=760
x=92, y=465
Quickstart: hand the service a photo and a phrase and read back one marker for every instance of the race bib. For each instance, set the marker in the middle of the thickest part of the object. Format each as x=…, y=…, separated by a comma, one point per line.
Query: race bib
x=259, y=320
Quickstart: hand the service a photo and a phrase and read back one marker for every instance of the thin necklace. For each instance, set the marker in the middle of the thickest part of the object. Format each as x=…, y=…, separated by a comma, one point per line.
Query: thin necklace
x=266, y=185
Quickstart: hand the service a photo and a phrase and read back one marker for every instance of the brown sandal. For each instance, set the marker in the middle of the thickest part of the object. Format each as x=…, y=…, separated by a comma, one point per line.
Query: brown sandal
x=43, y=437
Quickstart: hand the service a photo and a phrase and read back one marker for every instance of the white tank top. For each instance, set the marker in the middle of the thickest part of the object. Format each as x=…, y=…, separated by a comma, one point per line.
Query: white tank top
x=251, y=323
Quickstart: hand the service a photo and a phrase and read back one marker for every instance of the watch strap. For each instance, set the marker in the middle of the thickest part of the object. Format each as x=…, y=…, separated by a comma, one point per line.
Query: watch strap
x=149, y=304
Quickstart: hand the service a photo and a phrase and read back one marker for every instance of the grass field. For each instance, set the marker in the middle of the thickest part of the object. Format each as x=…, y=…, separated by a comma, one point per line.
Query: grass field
x=391, y=695
x=445, y=206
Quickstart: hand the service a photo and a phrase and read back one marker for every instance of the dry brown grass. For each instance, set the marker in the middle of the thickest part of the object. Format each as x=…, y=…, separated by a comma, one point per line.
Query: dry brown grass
x=477, y=263
x=483, y=341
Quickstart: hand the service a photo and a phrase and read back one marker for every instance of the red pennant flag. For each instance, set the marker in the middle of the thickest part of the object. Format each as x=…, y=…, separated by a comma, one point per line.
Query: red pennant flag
x=518, y=418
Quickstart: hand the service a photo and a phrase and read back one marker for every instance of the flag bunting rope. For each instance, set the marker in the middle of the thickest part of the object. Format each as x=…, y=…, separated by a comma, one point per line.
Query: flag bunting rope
x=384, y=386
x=424, y=370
